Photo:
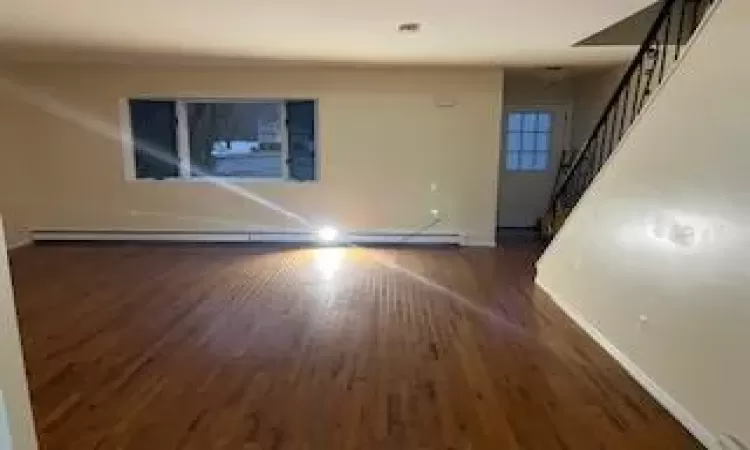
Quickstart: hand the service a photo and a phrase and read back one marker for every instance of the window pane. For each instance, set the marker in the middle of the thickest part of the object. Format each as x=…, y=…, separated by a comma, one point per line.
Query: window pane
x=541, y=161
x=235, y=139
x=515, y=121
x=529, y=141
x=511, y=160
x=529, y=122
x=527, y=160
x=514, y=142
x=544, y=122
x=154, y=138
x=300, y=117
x=542, y=142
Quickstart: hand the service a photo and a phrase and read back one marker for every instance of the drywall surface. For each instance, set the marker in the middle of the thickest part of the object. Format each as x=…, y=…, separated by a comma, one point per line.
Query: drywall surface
x=657, y=254
x=15, y=191
x=390, y=149
x=535, y=87
x=591, y=92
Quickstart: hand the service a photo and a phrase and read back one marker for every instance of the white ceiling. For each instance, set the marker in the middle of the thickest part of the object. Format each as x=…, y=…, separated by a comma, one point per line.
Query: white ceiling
x=503, y=32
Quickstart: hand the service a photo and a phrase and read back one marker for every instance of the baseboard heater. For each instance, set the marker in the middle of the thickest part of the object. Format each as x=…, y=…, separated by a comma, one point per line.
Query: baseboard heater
x=244, y=236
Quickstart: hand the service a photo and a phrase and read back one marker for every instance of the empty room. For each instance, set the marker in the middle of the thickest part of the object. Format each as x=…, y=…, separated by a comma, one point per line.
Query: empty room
x=401, y=225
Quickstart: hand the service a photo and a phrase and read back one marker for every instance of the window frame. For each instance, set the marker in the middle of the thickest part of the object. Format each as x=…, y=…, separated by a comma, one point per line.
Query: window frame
x=183, y=139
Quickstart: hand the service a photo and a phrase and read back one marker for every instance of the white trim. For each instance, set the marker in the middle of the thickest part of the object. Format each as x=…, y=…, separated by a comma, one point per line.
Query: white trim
x=253, y=99
x=130, y=236
x=183, y=139
x=470, y=243
x=214, y=179
x=126, y=139
x=284, y=141
x=243, y=236
x=22, y=243
x=657, y=392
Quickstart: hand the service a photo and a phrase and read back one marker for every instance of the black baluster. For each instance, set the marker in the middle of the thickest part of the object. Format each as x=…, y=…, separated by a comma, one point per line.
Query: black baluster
x=602, y=148
x=624, y=112
x=695, y=16
x=680, y=29
x=596, y=150
x=611, y=132
x=602, y=143
x=649, y=56
x=637, y=90
x=616, y=120
x=665, y=46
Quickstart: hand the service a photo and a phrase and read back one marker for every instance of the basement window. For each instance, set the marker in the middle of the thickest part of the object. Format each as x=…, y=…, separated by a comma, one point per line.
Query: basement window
x=236, y=139
x=527, y=142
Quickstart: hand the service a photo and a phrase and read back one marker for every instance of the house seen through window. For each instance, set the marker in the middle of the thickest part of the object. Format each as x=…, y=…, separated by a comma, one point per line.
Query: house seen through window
x=235, y=139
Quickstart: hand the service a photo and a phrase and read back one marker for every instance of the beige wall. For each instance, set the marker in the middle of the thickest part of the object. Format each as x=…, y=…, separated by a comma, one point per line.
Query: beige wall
x=15, y=123
x=529, y=87
x=591, y=92
x=383, y=143
x=13, y=389
x=657, y=253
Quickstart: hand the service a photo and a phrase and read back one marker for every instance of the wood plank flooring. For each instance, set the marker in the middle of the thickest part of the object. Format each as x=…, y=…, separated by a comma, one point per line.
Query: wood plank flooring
x=220, y=347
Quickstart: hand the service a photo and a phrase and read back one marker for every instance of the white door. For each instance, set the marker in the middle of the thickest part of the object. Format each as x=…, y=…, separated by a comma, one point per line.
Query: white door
x=533, y=139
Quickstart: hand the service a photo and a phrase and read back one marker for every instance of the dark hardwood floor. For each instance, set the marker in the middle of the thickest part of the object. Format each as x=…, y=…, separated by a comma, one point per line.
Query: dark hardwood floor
x=220, y=347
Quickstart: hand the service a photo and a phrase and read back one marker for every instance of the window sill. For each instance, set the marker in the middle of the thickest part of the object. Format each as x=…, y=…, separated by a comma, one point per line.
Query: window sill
x=229, y=180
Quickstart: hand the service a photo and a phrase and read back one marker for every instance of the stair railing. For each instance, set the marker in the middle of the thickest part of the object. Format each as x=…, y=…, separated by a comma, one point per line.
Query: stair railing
x=676, y=23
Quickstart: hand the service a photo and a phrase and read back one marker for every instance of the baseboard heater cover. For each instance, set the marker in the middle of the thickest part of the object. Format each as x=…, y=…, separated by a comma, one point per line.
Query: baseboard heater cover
x=244, y=236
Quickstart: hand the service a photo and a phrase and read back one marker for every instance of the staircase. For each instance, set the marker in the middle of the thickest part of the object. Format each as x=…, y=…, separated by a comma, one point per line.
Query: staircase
x=676, y=23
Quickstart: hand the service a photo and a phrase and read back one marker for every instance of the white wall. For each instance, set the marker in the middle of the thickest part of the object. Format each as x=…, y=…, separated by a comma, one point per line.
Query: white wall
x=383, y=143
x=13, y=389
x=664, y=233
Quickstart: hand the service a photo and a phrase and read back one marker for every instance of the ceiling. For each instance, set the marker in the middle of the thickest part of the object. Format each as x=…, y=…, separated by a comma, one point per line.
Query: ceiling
x=474, y=32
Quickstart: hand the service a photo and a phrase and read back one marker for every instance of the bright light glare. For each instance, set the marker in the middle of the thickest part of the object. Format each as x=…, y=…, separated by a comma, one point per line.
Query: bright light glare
x=328, y=234
x=328, y=261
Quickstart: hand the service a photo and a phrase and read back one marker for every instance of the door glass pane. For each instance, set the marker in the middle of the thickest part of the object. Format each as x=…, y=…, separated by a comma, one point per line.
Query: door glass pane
x=541, y=161
x=514, y=141
x=529, y=122
x=527, y=161
x=542, y=142
x=515, y=121
x=511, y=160
x=529, y=141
